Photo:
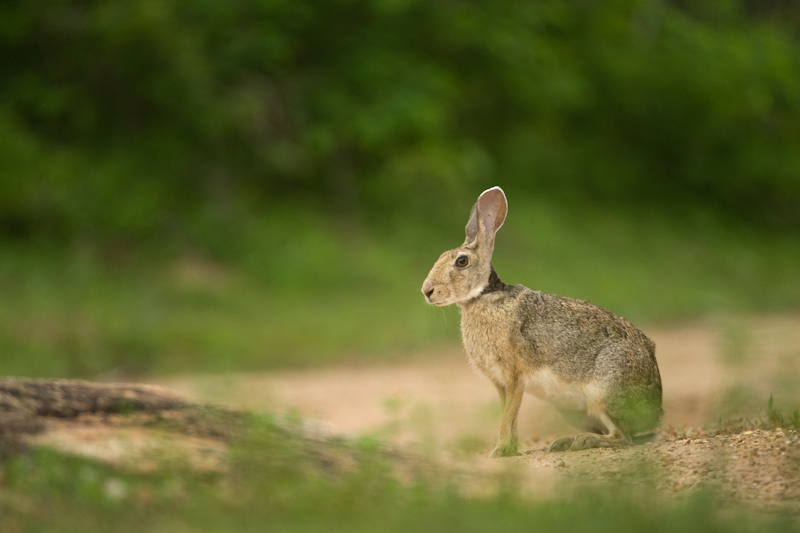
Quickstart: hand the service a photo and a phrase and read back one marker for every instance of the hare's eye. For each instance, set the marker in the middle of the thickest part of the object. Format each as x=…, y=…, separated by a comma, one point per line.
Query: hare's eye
x=462, y=261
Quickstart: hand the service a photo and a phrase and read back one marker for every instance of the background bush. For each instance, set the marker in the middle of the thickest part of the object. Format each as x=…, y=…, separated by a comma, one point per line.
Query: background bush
x=232, y=185
x=121, y=119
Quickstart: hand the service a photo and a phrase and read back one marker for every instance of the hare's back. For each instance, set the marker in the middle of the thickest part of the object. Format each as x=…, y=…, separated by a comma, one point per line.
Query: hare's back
x=578, y=340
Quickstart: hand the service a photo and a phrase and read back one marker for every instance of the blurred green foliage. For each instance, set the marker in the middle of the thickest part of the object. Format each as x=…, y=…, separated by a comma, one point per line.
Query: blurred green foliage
x=279, y=483
x=232, y=185
x=309, y=298
x=123, y=121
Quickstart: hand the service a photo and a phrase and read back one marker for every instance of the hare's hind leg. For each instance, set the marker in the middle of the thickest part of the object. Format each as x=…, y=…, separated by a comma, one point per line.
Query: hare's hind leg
x=613, y=437
x=583, y=420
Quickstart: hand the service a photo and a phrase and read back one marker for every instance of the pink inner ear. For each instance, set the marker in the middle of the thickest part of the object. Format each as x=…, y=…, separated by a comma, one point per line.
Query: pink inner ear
x=493, y=209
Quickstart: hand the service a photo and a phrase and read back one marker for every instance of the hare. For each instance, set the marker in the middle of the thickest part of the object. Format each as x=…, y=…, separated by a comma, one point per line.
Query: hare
x=593, y=366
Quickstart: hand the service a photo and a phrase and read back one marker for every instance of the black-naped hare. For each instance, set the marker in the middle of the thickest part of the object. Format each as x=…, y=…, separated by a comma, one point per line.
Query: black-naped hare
x=595, y=367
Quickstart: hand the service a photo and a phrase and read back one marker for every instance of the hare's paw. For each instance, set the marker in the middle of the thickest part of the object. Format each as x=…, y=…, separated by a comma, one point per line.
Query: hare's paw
x=587, y=441
x=504, y=451
x=561, y=445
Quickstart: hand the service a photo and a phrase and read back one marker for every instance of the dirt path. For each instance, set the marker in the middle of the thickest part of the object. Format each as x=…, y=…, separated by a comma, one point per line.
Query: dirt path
x=717, y=370
x=434, y=404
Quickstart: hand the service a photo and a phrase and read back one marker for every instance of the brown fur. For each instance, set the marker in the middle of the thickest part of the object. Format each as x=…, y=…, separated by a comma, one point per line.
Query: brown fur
x=595, y=367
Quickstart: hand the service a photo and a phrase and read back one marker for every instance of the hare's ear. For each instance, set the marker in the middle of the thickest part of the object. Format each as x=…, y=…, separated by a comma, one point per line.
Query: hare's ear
x=487, y=216
x=492, y=208
x=472, y=225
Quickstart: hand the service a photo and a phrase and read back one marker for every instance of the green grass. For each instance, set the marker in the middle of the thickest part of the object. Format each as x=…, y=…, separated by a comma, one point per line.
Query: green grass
x=275, y=483
x=775, y=416
x=770, y=417
x=298, y=292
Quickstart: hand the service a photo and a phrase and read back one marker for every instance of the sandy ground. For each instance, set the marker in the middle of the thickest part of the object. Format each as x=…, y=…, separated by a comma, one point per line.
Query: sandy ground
x=718, y=370
x=717, y=374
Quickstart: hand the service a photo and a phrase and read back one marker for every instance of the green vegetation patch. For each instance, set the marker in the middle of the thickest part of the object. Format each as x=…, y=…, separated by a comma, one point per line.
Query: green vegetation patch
x=308, y=294
x=277, y=482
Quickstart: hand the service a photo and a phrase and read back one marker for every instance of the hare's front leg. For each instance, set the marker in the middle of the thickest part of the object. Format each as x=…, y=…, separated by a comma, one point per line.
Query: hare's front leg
x=510, y=399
